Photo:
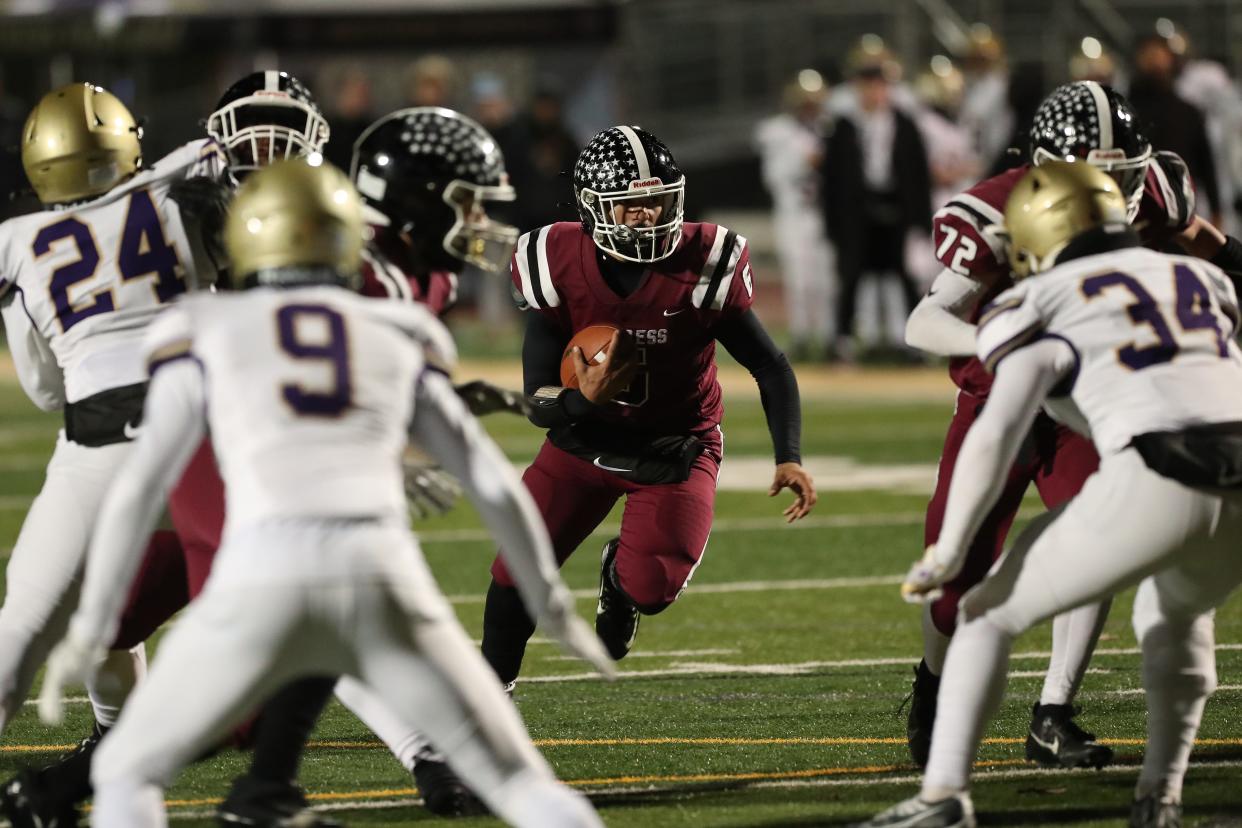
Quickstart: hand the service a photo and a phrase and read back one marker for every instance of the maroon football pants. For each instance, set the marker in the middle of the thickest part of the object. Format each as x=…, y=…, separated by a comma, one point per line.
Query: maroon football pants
x=176, y=565
x=1055, y=459
x=664, y=527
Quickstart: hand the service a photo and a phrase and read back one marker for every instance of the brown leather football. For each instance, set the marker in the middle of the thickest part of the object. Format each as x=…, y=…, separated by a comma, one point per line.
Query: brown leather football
x=593, y=340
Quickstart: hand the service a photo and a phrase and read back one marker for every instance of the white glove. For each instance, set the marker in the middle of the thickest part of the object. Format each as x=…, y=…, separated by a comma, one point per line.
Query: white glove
x=927, y=575
x=429, y=489
x=561, y=622
x=72, y=662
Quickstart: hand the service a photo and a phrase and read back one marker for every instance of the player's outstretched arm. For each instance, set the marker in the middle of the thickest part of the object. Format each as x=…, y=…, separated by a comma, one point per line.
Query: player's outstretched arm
x=746, y=340
x=37, y=370
x=1023, y=381
x=173, y=428
x=444, y=429
x=939, y=323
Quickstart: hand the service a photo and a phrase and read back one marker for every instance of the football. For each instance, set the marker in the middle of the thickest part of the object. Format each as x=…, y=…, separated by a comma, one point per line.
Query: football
x=593, y=340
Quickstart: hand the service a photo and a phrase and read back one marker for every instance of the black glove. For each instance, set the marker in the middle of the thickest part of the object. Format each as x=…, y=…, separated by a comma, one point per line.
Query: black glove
x=484, y=398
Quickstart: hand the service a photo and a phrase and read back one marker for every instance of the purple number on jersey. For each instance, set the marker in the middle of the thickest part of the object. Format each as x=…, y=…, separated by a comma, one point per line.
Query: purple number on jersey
x=143, y=250
x=334, y=350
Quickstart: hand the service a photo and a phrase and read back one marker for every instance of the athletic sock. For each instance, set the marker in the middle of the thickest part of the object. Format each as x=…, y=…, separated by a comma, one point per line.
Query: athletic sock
x=285, y=725
x=506, y=629
x=1074, y=635
x=935, y=643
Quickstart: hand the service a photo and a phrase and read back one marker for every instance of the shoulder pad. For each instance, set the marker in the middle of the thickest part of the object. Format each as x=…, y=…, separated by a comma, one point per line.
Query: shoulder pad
x=531, y=272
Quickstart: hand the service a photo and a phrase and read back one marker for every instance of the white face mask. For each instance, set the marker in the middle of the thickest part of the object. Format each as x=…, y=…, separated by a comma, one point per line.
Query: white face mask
x=266, y=127
x=637, y=244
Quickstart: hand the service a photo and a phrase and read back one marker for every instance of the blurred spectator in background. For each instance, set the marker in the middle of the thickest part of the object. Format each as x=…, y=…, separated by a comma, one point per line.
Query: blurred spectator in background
x=985, y=111
x=542, y=180
x=791, y=150
x=431, y=81
x=1168, y=120
x=877, y=191
x=494, y=109
x=1207, y=85
x=1092, y=62
x=350, y=112
x=12, y=179
x=1026, y=92
x=951, y=155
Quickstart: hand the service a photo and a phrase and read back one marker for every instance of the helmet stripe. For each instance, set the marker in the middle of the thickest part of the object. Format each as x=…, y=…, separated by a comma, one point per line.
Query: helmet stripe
x=1103, y=112
x=640, y=154
x=271, y=81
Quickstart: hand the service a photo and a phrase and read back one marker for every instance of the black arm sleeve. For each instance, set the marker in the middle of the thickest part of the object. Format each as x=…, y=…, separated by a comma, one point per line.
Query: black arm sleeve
x=747, y=341
x=542, y=347
x=1229, y=259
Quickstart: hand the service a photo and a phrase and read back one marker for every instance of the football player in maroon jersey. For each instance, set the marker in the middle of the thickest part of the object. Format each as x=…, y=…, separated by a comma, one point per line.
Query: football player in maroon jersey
x=1094, y=123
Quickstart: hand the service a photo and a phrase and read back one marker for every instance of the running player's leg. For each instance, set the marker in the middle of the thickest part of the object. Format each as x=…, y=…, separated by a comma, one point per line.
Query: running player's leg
x=573, y=497
x=232, y=649
x=1028, y=585
x=41, y=589
x=428, y=672
x=1173, y=623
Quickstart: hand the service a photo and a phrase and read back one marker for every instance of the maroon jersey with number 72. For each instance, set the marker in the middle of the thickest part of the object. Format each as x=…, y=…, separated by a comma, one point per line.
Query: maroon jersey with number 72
x=672, y=315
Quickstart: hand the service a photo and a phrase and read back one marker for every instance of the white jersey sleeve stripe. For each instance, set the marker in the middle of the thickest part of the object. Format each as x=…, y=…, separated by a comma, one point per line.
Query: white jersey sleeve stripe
x=520, y=257
x=1166, y=190
x=709, y=268
x=722, y=292
x=982, y=207
x=550, y=298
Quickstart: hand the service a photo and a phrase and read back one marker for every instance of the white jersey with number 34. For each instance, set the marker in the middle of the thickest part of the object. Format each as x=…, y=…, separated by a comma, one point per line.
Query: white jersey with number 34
x=84, y=281
x=309, y=393
x=1151, y=334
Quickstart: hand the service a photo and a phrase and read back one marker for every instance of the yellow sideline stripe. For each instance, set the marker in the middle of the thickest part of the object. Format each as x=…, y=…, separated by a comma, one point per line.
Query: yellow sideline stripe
x=828, y=741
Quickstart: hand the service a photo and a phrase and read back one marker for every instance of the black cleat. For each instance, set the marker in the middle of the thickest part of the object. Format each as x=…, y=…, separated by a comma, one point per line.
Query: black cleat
x=26, y=802
x=1156, y=811
x=261, y=803
x=1055, y=741
x=616, y=617
x=443, y=793
x=922, y=717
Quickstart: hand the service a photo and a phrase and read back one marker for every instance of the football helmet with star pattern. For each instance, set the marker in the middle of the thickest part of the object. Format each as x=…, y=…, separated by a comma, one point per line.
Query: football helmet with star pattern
x=1088, y=121
x=427, y=173
x=626, y=166
x=265, y=117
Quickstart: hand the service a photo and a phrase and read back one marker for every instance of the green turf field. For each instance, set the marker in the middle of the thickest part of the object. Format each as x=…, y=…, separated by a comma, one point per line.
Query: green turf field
x=768, y=695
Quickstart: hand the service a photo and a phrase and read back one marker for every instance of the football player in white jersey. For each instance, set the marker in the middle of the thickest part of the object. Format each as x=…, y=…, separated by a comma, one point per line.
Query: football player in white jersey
x=80, y=282
x=309, y=390
x=1136, y=348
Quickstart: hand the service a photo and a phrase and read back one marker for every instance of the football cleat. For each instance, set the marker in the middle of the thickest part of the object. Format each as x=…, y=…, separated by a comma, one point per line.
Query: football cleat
x=922, y=717
x=443, y=793
x=27, y=802
x=1055, y=741
x=955, y=812
x=261, y=803
x=616, y=617
x=1156, y=811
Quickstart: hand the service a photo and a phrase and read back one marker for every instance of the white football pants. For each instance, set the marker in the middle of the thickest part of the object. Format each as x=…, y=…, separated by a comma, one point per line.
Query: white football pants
x=1127, y=524
x=808, y=271
x=297, y=597
x=44, y=577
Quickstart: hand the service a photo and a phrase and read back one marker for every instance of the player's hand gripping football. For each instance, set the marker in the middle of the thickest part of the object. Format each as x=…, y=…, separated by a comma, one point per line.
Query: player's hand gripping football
x=928, y=574
x=74, y=660
x=561, y=622
x=795, y=478
x=601, y=381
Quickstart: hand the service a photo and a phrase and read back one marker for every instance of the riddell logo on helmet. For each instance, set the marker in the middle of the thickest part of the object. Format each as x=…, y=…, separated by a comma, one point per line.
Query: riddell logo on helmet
x=1106, y=155
x=645, y=183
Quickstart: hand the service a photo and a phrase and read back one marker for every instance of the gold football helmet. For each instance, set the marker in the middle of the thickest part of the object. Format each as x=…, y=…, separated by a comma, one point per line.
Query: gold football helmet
x=295, y=222
x=79, y=142
x=1051, y=205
